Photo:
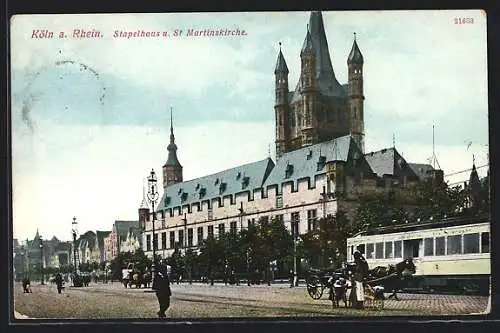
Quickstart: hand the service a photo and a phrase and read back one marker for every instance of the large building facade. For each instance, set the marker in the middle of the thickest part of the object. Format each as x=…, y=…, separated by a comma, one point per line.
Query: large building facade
x=319, y=108
x=320, y=165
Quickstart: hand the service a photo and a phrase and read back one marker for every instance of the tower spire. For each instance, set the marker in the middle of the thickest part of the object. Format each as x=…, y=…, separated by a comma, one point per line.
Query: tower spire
x=172, y=138
x=144, y=203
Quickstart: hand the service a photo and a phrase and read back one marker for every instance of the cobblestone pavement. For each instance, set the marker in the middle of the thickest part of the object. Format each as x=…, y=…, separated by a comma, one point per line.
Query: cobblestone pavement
x=108, y=301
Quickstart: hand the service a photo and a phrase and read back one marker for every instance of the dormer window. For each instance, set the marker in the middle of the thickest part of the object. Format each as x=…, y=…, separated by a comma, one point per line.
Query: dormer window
x=238, y=176
x=180, y=191
x=184, y=196
x=245, y=182
x=321, y=163
x=222, y=188
x=216, y=181
x=203, y=191
x=197, y=187
x=288, y=170
x=167, y=201
x=309, y=155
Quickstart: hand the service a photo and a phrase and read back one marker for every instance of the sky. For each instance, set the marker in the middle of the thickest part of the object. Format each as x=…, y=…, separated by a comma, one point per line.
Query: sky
x=91, y=116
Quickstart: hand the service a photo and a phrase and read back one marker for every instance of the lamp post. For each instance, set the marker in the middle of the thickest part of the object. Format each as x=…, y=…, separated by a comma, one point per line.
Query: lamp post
x=41, y=259
x=28, y=257
x=295, y=232
x=153, y=197
x=74, y=230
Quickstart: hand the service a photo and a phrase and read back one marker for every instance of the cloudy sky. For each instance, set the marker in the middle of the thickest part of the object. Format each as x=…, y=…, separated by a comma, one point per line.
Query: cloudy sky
x=90, y=117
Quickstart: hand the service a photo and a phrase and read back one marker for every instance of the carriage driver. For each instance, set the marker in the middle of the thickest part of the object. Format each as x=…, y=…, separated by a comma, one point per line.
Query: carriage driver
x=359, y=277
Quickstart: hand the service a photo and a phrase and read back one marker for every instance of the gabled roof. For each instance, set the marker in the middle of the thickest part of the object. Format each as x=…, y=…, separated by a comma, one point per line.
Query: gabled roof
x=88, y=238
x=247, y=177
x=421, y=170
x=389, y=162
x=305, y=162
x=122, y=227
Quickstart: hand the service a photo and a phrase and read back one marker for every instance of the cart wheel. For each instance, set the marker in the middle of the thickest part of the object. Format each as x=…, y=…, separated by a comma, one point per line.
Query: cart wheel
x=314, y=287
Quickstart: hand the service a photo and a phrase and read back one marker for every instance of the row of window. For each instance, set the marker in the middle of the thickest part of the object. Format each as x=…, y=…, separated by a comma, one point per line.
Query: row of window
x=295, y=219
x=433, y=246
x=457, y=244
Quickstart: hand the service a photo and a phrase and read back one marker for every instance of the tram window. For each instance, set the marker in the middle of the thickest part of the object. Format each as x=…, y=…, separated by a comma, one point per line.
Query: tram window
x=454, y=245
x=397, y=249
x=379, y=250
x=388, y=250
x=471, y=243
x=361, y=248
x=428, y=246
x=440, y=247
x=485, y=242
x=370, y=252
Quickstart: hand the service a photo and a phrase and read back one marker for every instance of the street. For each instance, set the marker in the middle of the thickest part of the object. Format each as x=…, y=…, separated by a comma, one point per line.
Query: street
x=112, y=300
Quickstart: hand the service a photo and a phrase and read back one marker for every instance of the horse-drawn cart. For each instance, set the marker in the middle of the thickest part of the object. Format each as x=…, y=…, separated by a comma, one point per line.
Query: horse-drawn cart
x=377, y=281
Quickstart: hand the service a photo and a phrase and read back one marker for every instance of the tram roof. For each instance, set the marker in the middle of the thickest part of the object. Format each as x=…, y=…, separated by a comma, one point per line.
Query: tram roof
x=426, y=224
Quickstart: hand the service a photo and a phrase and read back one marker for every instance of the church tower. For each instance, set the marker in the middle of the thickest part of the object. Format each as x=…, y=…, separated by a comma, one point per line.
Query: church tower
x=308, y=91
x=281, y=105
x=355, y=95
x=172, y=170
x=319, y=108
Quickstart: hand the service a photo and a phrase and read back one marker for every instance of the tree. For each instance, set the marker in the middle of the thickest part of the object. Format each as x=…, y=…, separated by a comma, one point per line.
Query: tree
x=381, y=209
x=327, y=244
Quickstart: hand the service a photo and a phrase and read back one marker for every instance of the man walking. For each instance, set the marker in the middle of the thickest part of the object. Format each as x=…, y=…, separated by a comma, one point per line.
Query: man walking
x=161, y=284
x=59, y=282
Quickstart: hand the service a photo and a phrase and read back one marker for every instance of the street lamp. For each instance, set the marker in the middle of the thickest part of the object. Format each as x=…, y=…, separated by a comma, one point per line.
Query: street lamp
x=41, y=258
x=28, y=257
x=153, y=197
x=295, y=233
x=74, y=230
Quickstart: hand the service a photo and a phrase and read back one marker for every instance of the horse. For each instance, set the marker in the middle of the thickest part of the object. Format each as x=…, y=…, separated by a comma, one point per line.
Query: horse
x=392, y=277
x=338, y=291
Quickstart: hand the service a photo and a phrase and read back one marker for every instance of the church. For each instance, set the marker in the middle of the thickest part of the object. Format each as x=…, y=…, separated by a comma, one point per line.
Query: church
x=320, y=165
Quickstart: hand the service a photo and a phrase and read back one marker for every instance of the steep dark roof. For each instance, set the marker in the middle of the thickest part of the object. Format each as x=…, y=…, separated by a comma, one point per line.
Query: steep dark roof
x=281, y=66
x=89, y=237
x=326, y=81
x=389, y=162
x=474, y=182
x=355, y=57
x=303, y=163
x=122, y=227
x=172, y=147
x=100, y=235
x=307, y=47
x=247, y=177
x=421, y=170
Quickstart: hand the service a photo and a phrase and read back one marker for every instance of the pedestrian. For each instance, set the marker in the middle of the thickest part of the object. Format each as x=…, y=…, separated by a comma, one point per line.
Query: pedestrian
x=59, y=282
x=161, y=285
x=360, y=275
x=26, y=285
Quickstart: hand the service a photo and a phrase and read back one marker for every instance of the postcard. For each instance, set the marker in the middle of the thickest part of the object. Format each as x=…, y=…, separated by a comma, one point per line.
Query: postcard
x=237, y=165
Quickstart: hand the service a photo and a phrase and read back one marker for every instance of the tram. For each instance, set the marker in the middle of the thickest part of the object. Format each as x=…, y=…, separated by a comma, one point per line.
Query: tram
x=451, y=255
